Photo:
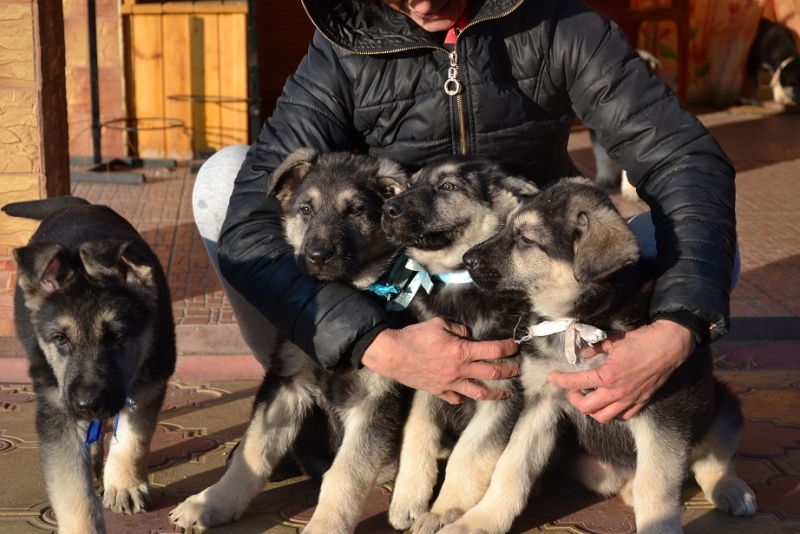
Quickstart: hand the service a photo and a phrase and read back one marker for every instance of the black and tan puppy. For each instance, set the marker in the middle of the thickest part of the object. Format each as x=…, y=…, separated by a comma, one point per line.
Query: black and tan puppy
x=332, y=209
x=577, y=261
x=93, y=310
x=450, y=207
x=775, y=50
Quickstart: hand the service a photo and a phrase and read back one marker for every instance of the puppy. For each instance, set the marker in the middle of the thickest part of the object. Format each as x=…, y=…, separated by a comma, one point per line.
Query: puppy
x=332, y=210
x=609, y=174
x=569, y=251
x=775, y=51
x=450, y=207
x=93, y=311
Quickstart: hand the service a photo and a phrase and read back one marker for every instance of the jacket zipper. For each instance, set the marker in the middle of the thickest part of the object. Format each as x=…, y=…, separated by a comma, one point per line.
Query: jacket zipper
x=452, y=86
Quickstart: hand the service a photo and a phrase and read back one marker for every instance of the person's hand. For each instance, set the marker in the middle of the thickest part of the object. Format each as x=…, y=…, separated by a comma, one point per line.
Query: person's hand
x=638, y=364
x=438, y=356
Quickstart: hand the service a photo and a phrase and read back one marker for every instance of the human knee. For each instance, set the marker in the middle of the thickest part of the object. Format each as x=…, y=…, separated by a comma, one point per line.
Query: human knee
x=213, y=187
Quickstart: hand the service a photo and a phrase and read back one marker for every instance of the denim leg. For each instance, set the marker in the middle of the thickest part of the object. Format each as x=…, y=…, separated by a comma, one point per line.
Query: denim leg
x=210, y=196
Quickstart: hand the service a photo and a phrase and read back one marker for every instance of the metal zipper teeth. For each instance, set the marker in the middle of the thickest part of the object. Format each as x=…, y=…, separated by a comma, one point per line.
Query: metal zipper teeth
x=462, y=123
x=462, y=120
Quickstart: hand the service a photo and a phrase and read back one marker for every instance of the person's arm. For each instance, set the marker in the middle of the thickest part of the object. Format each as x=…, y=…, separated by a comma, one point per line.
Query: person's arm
x=333, y=323
x=323, y=319
x=688, y=182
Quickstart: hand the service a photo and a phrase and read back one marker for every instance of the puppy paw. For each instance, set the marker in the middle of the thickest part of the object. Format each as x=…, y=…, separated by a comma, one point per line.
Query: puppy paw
x=427, y=523
x=453, y=515
x=403, y=514
x=199, y=512
x=127, y=500
x=734, y=496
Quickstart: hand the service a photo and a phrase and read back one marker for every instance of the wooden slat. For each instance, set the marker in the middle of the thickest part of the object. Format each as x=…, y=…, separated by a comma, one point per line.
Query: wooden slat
x=206, y=82
x=184, y=7
x=233, y=70
x=147, y=70
x=177, y=81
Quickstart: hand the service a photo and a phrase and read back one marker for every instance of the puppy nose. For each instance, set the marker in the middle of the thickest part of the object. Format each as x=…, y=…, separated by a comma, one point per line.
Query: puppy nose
x=88, y=403
x=470, y=260
x=392, y=210
x=319, y=253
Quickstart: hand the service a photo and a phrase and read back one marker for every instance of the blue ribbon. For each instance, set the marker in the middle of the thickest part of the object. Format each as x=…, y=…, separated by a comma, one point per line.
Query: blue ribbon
x=407, y=277
x=95, y=430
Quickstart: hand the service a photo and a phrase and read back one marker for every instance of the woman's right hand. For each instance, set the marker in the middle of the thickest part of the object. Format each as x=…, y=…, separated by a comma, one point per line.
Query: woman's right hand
x=439, y=357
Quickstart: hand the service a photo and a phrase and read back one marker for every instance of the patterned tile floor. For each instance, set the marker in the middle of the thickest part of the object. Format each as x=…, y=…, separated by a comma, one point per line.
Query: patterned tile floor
x=201, y=422
x=208, y=404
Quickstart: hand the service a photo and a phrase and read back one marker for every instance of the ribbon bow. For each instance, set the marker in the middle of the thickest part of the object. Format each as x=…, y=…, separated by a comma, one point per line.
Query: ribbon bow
x=574, y=333
x=407, y=277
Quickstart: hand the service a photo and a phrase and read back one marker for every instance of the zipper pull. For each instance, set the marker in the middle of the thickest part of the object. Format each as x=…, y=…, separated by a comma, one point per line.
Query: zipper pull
x=452, y=86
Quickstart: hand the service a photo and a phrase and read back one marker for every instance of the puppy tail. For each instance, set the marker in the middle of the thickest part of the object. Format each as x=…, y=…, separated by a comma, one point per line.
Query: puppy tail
x=41, y=209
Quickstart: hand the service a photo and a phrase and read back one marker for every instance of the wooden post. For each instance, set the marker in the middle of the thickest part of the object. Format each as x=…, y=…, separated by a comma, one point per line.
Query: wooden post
x=33, y=123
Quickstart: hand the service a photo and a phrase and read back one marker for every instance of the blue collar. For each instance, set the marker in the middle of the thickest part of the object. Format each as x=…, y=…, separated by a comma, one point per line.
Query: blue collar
x=407, y=277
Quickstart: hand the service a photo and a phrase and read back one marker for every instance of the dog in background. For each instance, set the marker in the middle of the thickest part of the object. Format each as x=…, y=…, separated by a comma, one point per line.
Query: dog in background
x=451, y=206
x=775, y=51
x=608, y=174
x=93, y=311
x=332, y=219
x=577, y=261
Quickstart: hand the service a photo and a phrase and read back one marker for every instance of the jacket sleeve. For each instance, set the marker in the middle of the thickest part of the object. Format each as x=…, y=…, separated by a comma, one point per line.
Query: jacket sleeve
x=678, y=168
x=327, y=320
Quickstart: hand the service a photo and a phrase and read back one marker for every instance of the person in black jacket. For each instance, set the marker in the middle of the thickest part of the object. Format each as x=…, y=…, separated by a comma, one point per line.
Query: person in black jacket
x=414, y=80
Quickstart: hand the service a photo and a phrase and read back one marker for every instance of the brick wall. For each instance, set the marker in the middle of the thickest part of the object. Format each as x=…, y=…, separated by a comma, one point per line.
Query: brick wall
x=33, y=133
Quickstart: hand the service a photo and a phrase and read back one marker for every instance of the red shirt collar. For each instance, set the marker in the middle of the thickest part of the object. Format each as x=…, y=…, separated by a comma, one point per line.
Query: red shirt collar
x=462, y=21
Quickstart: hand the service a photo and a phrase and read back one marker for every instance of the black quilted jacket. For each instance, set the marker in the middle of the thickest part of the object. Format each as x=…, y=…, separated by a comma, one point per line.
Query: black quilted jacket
x=374, y=80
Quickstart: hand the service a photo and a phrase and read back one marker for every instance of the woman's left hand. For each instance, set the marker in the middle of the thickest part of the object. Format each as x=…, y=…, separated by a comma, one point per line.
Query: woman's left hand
x=638, y=364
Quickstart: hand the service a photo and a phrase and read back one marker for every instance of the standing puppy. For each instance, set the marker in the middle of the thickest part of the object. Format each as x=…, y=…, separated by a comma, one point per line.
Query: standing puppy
x=577, y=261
x=93, y=311
x=332, y=210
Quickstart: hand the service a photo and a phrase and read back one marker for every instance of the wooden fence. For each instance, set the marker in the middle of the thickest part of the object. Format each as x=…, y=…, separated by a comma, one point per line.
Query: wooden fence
x=186, y=79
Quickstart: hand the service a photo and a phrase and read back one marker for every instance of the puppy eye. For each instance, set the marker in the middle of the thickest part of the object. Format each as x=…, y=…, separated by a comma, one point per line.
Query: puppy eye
x=116, y=335
x=304, y=210
x=447, y=186
x=527, y=241
x=357, y=209
x=60, y=340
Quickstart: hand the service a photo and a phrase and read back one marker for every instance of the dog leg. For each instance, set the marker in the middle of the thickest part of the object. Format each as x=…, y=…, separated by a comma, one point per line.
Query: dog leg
x=272, y=431
x=68, y=475
x=418, y=468
x=713, y=467
x=660, y=469
x=523, y=460
x=125, y=487
x=470, y=467
x=365, y=448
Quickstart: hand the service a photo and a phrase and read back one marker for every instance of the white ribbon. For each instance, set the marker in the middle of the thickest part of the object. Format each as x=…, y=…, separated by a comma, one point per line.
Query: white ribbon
x=574, y=333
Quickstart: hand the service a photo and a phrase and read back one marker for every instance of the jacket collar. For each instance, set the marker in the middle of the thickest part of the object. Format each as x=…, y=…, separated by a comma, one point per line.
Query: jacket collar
x=379, y=29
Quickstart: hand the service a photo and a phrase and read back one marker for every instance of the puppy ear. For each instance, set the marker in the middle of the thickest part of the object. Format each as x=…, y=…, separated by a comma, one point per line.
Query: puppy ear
x=116, y=260
x=390, y=179
x=42, y=268
x=519, y=186
x=288, y=175
x=604, y=244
